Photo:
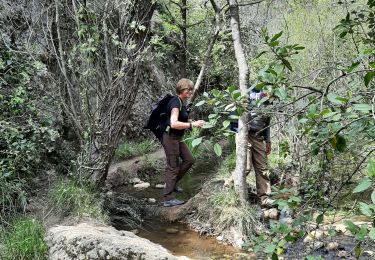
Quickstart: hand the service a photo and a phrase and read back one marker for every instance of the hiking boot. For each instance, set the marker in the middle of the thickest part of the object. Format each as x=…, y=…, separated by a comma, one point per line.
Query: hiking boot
x=173, y=202
x=178, y=189
x=266, y=202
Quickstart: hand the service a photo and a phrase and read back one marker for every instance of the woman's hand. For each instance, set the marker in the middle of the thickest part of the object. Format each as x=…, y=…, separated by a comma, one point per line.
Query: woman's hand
x=198, y=123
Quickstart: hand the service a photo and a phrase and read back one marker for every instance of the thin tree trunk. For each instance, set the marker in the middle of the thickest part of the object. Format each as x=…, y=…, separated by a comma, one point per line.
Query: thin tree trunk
x=239, y=175
x=184, y=38
x=209, y=50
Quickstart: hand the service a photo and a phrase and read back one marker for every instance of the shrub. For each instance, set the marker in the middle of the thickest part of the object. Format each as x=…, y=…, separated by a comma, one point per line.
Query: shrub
x=24, y=240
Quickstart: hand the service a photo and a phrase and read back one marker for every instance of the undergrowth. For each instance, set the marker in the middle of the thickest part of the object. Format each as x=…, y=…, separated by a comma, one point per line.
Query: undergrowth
x=130, y=149
x=23, y=240
x=77, y=199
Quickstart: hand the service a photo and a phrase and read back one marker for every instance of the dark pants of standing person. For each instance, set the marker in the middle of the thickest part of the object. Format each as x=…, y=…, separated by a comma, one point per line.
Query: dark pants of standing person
x=256, y=157
x=174, y=150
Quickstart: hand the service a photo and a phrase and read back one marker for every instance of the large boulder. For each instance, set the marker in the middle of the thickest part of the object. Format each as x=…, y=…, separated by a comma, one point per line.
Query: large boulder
x=89, y=241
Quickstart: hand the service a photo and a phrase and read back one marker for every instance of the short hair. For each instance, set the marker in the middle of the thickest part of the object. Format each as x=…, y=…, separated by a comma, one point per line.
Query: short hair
x=183, y=84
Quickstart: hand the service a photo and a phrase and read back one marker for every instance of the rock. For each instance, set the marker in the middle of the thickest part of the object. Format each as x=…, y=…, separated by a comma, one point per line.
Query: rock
x=151, y=200
x=171, y=230
x=135, y=181
x=313, y=235
x=142, y=186
x=342, y=253
x=341, y=228
x=368, y=253
x=332, y=246
x=316, y=245
x=88, y=241
x=288, y=221
x=115, y=178
x=160, y=186
x=270, y=214
x=220, y=238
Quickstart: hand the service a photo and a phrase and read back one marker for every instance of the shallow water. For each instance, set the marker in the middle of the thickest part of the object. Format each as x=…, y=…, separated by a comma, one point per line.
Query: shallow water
x=186, y=242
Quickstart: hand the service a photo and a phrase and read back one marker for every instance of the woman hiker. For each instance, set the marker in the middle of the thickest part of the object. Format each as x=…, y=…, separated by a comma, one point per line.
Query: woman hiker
x=172, y=142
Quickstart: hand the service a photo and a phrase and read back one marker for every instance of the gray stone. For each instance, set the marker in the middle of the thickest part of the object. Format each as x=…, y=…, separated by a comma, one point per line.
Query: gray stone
x=151, y=200
x=135, y=181
x=89, y=241
x=160, y=186
x=142, y=186
x=332, y=246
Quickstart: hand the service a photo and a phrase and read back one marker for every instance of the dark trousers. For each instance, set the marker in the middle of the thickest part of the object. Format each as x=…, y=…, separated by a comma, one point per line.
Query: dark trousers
x=175, y=149
x=256, y=157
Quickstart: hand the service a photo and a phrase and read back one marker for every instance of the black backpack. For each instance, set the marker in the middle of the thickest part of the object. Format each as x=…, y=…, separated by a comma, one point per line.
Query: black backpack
x=159, y=117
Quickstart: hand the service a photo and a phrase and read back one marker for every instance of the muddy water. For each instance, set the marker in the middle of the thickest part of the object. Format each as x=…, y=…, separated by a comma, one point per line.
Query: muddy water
x=178, y=238
x=181, y=241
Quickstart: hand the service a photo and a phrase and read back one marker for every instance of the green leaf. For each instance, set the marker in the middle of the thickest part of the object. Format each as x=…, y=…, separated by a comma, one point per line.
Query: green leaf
x=371, y=168
x=372, y=233
x=365, y=209
x=217, y=149
x=276, y=36
x=362, y=107
x=196, y=142
x=281, y=93
x=335, y=99
x=341, y=143
x=364, y=185
x=200, y=103
x=319, y=218
x=226, y=123
x=368, y=77
x=352, y=67
x=351, y=226
x=373, y=196
x=260, y=54
x=274, y=256
x=357, y=250
x=287, y=64
x=269, y=248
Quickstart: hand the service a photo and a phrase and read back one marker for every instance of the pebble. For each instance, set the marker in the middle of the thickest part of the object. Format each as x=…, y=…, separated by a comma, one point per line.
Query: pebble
x=151, y=200
x=316, y=245
x=219, y=238
x=135, y=180
x=141, y=186
x=171, y=230
x=313, y=235
x=342, y=253
x=332, y=246
x=160, y=186
x=368, y=253
x=270, y=213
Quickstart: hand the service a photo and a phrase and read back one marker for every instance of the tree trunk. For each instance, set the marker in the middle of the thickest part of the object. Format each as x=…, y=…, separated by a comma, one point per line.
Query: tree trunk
x=209, y=50
x=102, y=74
x=183, y=72
x=239, y=175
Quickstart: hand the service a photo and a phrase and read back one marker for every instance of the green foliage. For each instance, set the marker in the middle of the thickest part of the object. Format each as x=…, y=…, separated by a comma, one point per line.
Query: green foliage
x=27, y=132
x=131, y=148
x=77, y=199
x=24, y=240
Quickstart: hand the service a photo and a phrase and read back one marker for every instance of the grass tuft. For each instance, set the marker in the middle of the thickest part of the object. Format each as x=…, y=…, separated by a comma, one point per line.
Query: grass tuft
x=24, y=240
x=78, y=199
x=130, y=149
